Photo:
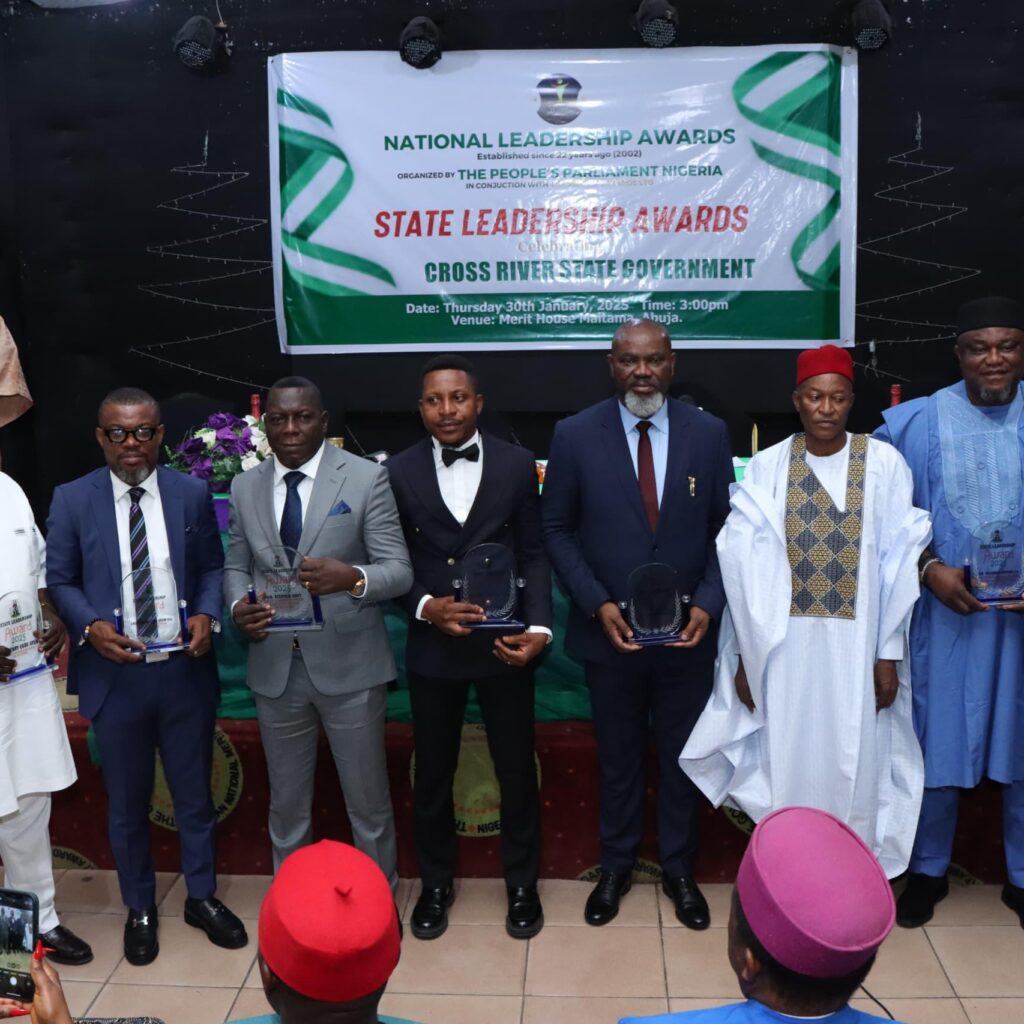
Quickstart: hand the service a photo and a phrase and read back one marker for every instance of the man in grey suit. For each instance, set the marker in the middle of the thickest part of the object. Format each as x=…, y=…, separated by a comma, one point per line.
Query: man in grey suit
x=339, y=513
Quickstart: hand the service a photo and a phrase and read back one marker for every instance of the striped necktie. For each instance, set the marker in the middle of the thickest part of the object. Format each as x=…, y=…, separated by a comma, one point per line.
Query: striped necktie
x=142, y=576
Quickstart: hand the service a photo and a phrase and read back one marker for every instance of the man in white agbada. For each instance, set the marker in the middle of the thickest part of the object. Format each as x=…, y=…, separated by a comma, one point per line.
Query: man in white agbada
x=35, y=757
x=812, y=705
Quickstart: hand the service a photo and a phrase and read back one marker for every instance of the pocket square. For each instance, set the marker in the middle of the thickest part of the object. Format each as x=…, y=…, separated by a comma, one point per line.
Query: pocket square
x=340, y=509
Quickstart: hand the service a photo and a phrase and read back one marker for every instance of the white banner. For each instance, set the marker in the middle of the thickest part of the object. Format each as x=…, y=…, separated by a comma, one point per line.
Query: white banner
x=536, y=199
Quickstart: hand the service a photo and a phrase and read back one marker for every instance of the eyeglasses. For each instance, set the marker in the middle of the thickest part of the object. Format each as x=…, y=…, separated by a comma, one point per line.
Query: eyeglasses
x=118, y=435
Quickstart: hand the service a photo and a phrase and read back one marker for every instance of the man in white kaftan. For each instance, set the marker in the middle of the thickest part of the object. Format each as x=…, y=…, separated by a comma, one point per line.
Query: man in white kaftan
x=35, y=757
x=812, y=703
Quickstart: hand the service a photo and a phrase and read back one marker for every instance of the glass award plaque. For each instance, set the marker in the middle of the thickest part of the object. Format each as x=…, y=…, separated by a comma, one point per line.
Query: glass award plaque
x=151, y=613
x=488, y=578
x=20, y=617
x=275, y=580
x=995, y=572
x=654, y=607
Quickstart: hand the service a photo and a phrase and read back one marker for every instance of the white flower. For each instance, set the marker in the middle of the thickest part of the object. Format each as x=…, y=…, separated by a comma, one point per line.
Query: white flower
x=250, y=461
x=207, y=435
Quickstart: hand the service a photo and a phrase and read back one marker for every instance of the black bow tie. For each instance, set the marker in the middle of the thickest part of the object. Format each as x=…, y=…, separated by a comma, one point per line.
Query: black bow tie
x=449, y=456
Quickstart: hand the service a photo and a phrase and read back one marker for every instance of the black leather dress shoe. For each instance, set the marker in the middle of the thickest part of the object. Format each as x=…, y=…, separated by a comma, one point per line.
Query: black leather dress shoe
x=67, y=947
x=221, y=926
x=691, y=907
x=140, y=945
x=1013, y=897
x=525, y=914
x=916, y=905
x=603, y=902
x=430, y=915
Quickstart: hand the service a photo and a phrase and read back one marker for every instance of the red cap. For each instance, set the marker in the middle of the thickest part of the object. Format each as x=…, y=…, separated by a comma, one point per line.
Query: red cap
x=828, y=359
x=328, y=927
x=813, y=893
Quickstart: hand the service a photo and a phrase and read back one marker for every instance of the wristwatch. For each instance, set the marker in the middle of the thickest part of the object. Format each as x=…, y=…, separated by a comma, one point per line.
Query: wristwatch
x=359, y=587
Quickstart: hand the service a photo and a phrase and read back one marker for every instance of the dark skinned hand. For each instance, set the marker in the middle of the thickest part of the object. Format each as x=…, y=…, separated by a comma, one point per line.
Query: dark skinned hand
x=327, y=575
x=615, y=628
x=51, y=639
x=253, y=619
x=49, y=1005
x=886, y=684
x=743, y=687
x=695, y=630
x=106, y=640
x=520, y=648
x=200, y=631
x=448, y=615
x=947, y=584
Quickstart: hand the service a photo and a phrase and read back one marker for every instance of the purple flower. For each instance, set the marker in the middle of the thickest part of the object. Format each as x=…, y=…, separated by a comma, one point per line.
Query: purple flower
x=221, y=420
x=202, y=468
x=191, y=449
x=230, y=443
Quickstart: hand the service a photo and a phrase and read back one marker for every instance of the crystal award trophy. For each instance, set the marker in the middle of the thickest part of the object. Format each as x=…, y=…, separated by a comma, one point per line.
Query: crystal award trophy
x=655, y=608
x=20, y=617
x=488, y=578
x=151, y=613
x=276, y=581
x=995, y=572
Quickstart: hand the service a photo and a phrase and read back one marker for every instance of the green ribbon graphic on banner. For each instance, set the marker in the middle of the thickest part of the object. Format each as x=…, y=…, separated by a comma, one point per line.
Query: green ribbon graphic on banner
x=316, y=177
x=792, y=99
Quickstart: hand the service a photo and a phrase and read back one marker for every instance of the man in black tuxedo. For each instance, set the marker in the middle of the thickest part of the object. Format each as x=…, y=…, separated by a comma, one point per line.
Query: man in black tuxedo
x=455, y=490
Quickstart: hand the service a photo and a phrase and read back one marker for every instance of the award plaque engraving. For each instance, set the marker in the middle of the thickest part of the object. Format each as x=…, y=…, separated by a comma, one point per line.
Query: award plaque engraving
x=488, y=578
x=655, y=608
x=20, y=617
x=151, y=613
x=275, y=580
x=995, y=572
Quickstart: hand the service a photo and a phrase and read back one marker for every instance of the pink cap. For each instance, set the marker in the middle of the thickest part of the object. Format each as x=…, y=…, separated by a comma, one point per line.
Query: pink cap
x=813, y=893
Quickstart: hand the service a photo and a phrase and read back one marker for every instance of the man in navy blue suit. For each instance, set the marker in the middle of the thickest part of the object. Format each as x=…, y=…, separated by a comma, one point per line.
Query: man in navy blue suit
x=132, y=517
x=456, y=489
x=638, y=479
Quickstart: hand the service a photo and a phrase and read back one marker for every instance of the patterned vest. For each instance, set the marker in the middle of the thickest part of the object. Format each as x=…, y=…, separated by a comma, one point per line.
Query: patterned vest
x=822, y=543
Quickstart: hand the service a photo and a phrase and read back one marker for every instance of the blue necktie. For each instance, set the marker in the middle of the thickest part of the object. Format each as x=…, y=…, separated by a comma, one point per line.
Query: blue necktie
x=291, y=518
x=142, y=579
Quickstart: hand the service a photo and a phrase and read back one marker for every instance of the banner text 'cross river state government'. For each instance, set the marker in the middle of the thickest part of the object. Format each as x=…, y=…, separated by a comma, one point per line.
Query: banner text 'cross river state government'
x=536, y=199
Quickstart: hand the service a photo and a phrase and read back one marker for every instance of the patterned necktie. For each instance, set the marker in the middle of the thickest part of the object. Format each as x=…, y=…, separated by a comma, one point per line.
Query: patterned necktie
x=645, y=473
x=291, y=517
x=142, y=577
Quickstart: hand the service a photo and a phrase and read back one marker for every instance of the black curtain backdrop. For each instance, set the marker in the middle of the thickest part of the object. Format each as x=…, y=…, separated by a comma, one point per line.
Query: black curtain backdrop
x=131, y=187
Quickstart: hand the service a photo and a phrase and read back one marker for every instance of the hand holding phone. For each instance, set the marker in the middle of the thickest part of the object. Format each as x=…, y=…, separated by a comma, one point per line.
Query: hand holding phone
x=19, y=933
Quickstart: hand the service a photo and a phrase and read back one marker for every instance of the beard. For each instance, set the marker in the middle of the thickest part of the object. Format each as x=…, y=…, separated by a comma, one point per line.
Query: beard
x=133, y=477
x=643, y=407
x=997, y=396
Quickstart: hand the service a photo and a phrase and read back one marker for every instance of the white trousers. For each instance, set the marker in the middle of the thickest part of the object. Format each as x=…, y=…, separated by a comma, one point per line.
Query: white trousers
x=26, y=853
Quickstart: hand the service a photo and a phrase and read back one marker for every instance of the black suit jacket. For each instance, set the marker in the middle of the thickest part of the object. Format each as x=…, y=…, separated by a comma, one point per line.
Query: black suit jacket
x=506, y=511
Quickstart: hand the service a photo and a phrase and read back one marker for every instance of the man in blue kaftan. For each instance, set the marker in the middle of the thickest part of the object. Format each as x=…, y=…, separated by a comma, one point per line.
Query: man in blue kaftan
x=964, y=446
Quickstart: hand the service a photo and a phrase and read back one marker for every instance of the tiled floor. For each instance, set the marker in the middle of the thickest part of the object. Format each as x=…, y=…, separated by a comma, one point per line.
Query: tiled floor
x=965, y=968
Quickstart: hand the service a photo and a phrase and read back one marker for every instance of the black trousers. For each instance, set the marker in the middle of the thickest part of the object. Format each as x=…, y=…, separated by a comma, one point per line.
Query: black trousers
x=656, y=690
x=438, y=708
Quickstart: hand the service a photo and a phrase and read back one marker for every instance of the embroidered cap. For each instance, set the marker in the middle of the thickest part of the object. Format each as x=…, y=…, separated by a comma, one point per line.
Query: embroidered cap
x=328, y=927
x=813, y=893
x=989, y=311
x=813, y=362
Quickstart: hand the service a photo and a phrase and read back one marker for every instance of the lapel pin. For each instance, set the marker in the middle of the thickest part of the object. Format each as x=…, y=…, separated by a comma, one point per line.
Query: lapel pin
x=693, y=486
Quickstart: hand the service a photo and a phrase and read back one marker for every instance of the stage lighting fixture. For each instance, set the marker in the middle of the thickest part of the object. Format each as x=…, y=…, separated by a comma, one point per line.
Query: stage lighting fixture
x=657, y=21
x=420, y=43
x=870, y=24
x=199, y=44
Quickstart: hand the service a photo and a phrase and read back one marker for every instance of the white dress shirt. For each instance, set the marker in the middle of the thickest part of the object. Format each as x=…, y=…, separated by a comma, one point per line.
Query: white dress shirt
x=156, y=528
x=659, y=442
x=305, y=489
x=459, y=483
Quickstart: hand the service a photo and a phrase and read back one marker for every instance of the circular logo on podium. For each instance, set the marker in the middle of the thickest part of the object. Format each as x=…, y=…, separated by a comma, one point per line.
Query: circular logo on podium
x=476, y=793
x=226, y=782
x=643, y=871
x=64, y=857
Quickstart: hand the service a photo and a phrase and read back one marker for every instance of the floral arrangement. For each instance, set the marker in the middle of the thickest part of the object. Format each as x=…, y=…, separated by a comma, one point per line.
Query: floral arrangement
x=224, y=446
